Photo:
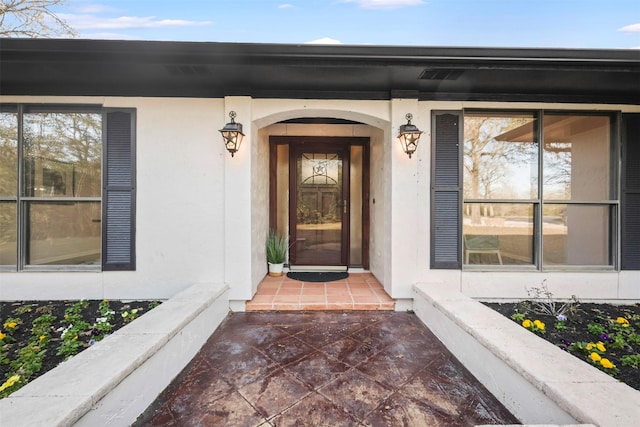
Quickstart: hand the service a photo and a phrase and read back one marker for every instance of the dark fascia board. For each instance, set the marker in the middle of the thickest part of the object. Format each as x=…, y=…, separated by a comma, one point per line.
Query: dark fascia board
x=214, y=52
x=330, y=67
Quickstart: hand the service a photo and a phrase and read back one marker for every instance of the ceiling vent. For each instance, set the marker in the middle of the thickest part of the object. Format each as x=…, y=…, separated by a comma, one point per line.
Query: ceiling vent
x=440, y=74
x=187, y=70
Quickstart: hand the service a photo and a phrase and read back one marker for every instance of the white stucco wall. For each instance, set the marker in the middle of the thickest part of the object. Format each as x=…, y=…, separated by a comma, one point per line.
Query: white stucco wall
x=180, y=224
x=202, y=215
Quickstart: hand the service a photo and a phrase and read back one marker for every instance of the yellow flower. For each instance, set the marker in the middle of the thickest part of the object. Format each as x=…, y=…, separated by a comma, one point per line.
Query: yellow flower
x=526, y=323
x=125, y=314
x=590, y=346
x=606, y=363
x=539, y=324
x=42, y=337
x=601, y=347
x=10, y=325
x=624, y=322
x=2, y=336
x=595, y=357
x=8, y=383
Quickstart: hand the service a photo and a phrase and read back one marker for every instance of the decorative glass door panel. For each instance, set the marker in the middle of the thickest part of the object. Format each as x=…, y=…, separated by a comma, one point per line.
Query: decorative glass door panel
x=321, y=208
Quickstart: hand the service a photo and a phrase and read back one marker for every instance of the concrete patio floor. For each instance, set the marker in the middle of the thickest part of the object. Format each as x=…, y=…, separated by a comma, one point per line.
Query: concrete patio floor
x=324, y=368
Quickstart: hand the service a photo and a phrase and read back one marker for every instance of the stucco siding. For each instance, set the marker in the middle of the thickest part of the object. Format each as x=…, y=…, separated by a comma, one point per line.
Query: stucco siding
x=202, y=215
x=179, y=215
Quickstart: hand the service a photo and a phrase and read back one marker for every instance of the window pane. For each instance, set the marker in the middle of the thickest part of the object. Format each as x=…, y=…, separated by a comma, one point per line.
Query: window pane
x=8, y=230
x=63, y=233
x=576, y=158
x=282, y=189
x=355, y=210
x=62, y=154
x=576, y=235
x=500, y=156
x=498, y=233
x=8, y=154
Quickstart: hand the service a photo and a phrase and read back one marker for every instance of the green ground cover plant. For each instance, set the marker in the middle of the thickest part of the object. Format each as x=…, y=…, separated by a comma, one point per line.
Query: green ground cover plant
x=36, y=336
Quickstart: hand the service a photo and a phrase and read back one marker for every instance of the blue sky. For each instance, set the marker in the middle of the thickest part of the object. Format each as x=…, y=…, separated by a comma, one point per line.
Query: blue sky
x=611, y=24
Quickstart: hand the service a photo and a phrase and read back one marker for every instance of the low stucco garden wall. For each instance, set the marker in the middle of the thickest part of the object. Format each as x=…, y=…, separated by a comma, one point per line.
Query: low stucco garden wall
x=538, y=382
x=115, y=380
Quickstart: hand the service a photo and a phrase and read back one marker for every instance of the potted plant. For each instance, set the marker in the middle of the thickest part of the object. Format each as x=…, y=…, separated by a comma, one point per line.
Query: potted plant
x=276, y=246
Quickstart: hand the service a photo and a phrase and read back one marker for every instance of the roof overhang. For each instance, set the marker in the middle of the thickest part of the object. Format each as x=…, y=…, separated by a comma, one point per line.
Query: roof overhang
x=211, y=70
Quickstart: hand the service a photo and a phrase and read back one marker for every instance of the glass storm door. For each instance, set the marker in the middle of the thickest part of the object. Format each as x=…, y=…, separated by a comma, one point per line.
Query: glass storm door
x=320, y=183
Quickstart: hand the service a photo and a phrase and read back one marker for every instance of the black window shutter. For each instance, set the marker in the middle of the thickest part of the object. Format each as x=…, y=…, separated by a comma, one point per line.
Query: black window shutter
x=630, y=203
x=119, y=192
x=445, y=191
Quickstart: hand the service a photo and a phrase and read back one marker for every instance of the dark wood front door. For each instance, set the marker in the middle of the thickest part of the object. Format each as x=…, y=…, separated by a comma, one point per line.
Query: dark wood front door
x=319, y=204
x=319, y=198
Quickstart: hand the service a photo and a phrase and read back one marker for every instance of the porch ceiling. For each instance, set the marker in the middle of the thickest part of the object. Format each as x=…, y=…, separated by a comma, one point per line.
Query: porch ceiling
x=190, y=69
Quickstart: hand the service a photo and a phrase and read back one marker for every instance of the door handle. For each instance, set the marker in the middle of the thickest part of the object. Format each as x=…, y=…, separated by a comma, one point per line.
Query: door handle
x=344, y=204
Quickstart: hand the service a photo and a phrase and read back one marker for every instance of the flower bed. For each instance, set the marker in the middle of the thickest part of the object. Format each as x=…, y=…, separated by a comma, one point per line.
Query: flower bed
x=36, y=336
x=603, y=335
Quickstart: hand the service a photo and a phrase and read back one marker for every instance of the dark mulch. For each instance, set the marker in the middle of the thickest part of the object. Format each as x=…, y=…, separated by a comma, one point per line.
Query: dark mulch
x=22, y=333
x=579, y=317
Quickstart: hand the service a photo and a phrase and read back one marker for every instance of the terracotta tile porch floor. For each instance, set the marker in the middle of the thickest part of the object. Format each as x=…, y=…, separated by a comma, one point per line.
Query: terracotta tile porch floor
x=359, y=291
x=314, y=368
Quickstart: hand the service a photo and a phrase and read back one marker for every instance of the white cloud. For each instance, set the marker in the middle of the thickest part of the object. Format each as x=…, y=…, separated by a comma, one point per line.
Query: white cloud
x=633, y=28
x=93, y=8
x=285, y=6
x=324, y=40
x=91, y=22
x=108, y=36
x=385, y=4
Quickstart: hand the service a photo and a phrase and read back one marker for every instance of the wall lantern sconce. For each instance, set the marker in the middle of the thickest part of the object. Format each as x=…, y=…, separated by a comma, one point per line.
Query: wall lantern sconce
x=232, y=134
x=409, y=136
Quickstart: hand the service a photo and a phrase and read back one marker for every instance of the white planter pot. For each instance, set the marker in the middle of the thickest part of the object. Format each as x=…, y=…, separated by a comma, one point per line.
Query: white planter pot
x=276, y=269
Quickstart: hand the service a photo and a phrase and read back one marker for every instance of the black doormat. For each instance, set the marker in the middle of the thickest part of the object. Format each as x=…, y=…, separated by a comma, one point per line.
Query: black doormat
x=317, y=276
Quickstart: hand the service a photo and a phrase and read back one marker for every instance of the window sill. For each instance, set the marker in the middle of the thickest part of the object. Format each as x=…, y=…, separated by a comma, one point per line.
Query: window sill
x=534, y=269
x=61, y=269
